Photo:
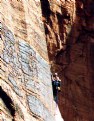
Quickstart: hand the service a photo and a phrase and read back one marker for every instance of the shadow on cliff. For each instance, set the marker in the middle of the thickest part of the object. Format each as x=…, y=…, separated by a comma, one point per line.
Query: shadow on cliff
x=76, y=92
x=7, y=101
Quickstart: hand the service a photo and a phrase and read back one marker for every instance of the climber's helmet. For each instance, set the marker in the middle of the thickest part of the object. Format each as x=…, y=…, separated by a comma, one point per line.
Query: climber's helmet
x=55, y=74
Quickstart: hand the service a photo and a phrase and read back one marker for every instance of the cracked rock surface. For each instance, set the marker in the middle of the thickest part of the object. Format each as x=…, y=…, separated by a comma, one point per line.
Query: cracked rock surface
x=25, y=77
x=69, y=28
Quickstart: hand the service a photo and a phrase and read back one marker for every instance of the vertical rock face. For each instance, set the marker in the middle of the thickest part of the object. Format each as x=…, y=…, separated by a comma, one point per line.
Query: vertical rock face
x=25, y=83
x=69, y=28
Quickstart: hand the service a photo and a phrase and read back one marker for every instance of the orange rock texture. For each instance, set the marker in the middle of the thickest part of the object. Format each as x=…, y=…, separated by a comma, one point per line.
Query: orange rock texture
x=69, y=28
x=25, y=77
x=39, y=34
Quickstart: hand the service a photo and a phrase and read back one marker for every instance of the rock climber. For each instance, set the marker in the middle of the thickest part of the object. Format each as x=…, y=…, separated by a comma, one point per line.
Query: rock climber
x=56, y=82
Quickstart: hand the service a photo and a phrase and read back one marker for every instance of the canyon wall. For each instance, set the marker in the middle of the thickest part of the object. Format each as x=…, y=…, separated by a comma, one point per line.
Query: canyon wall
x=69, y=29
x=25, y=77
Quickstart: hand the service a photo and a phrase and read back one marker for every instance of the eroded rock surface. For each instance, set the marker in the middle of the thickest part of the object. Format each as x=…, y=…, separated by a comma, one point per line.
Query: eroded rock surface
x=24, y=64
x=25, y=75
x=69, y=28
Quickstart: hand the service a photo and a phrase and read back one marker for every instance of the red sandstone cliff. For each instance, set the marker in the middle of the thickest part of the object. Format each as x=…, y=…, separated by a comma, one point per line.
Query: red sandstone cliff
x=25, y=80
x=69, y=28
x=24, y=66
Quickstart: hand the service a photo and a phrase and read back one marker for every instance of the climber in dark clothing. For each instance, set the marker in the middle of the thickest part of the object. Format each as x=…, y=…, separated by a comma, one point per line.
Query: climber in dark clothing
x=56, y=82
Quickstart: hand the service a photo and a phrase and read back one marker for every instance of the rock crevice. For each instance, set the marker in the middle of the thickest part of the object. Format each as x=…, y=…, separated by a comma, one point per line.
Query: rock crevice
x=69, y=35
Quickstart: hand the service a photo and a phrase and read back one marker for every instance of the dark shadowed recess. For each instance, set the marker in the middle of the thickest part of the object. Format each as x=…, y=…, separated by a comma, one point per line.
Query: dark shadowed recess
x=7, y=101
x=45, y=8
